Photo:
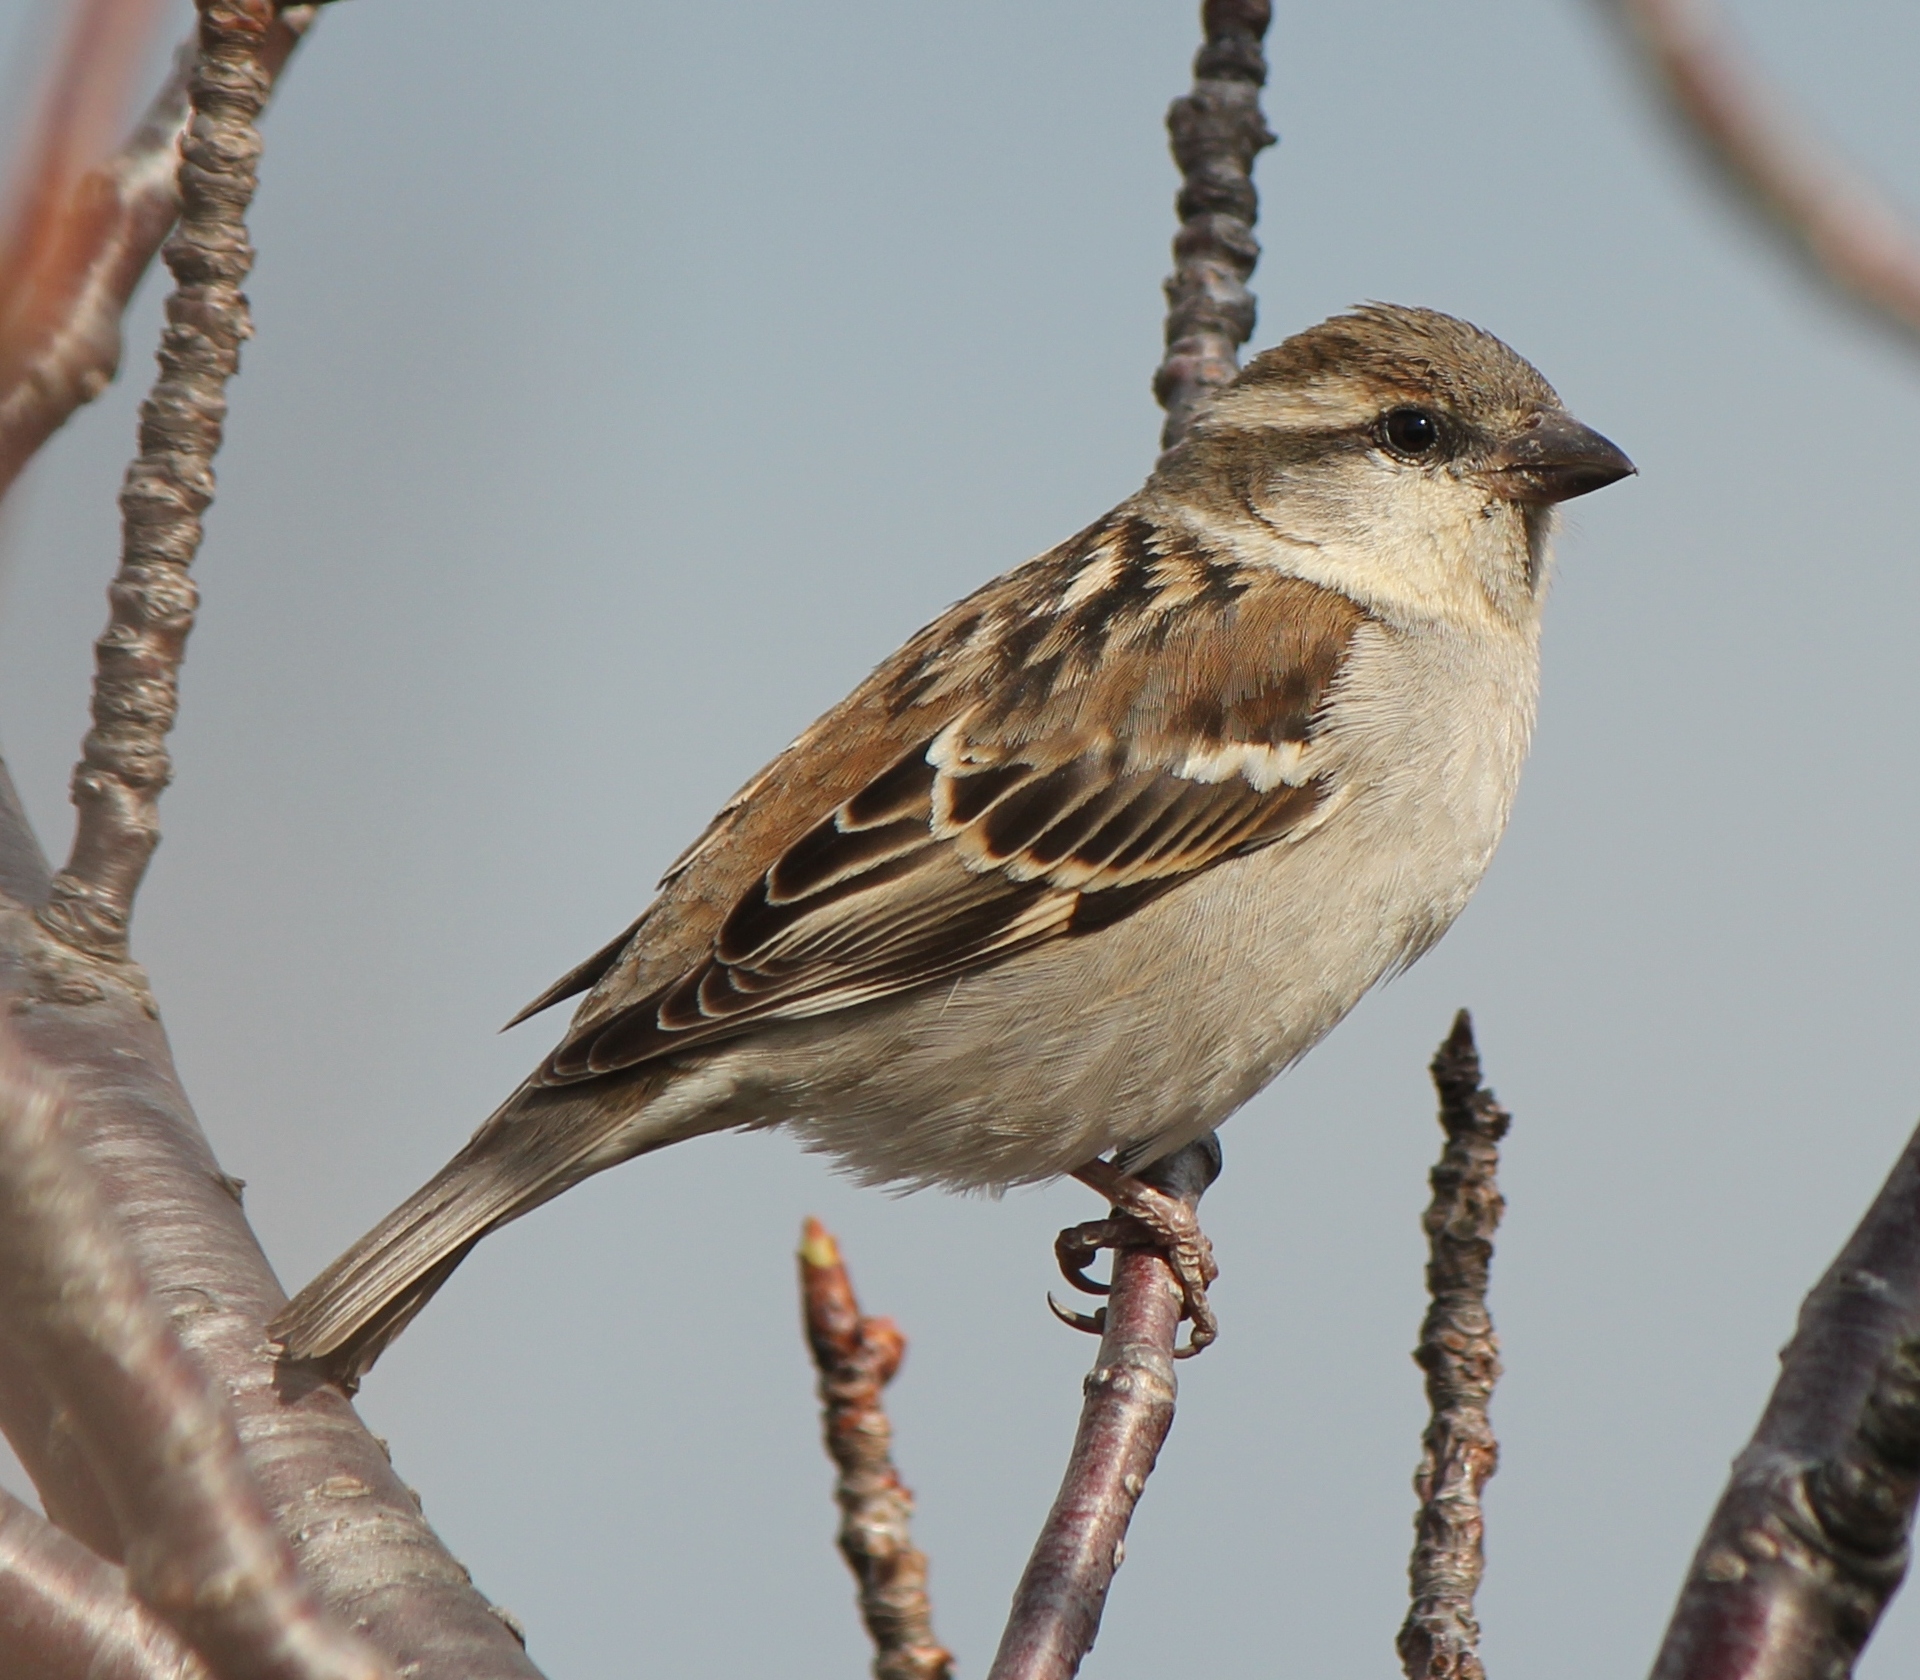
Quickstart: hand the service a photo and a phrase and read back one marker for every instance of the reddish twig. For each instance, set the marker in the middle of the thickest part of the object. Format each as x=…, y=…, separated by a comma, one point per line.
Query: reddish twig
x=66, y=1615
x=1851, y=236
x=84, y=244
x=1216, y=131
x=81, y=101
x=124, y=763
x=857, y=1357
x=1125, y=1418
x=201, y=1550
x=1809, y=1540
x=1461, y=1355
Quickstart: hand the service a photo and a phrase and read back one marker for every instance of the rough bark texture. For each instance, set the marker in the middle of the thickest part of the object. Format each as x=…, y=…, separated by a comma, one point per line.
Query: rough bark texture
x=1461, y=1356
x=857, y=1357
x=1847, y=233
x=67, y=350
x=1217, y=131
x=79, y=1005
x=358, y=1532
x=66, y=1615
x=1126, y=1415
x=124, y=762
x=1810, y=1538
x=201, y=1549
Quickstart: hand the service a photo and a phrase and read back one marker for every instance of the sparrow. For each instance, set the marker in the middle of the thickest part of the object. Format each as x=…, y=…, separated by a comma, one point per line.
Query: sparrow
x=1101, y=850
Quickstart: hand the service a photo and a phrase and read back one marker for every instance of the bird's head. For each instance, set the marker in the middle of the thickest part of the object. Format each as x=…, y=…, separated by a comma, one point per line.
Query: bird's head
x=1399, y=454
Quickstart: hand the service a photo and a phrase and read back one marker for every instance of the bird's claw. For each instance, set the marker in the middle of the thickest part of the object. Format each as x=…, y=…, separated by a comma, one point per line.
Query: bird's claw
x=1143, y=1217
x=1093, y=1323
x=1078, y=1244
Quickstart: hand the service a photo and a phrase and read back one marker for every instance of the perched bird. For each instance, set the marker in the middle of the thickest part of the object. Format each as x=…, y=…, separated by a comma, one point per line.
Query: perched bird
x=1102, y=849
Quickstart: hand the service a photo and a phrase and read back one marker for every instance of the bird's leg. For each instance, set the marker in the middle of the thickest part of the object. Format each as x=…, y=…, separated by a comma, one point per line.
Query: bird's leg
x=1142, y=1217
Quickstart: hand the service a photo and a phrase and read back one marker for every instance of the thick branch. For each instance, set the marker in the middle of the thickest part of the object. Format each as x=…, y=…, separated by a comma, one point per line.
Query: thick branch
x=1848, y=233
x=358, y=1532
x=1216, y=131
x=201, y=1550
x=857, y=1357
x=66, y=1615
x=1809, y=1540
x=1461, y=1355
x=96, y=252
x=1125, y=1418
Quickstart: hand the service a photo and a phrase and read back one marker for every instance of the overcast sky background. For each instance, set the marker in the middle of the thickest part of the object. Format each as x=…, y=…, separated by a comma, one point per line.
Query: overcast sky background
x=631, y=379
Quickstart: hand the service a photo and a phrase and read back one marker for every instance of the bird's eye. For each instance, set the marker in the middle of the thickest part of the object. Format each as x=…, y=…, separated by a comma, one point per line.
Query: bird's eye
x=1410, y=431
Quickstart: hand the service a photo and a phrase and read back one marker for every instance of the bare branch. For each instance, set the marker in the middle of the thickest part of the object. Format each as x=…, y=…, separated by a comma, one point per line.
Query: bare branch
x=1125, y=1418
x=857, y=1357
x=124, y=763
x=1809, y=1540
x=358, y=1531
x=1848, y=233
x=1461, y=1355
x=201, y=1550
x=1216, y=131
x=67, y=1615
x=79, y=102
x=60, y=346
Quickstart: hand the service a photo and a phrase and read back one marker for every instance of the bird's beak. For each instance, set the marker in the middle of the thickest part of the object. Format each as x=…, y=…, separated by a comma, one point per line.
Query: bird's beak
x=1554, y=458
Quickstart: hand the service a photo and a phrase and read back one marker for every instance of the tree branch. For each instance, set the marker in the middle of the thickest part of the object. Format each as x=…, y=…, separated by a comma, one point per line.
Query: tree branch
x=78, y=103
x=1809, y=1540
x=1461, y=1355
x=61, y=347
x=1125, y=1418
x=1847, y=233
x=201, y=1550
x=1216, y=132
x=66, y=1615
x=857, y=1357
x=357, y=1530
x=124, y=763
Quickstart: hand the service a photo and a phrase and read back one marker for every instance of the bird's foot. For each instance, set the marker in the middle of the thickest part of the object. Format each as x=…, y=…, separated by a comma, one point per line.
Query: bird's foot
x=1142, y=1217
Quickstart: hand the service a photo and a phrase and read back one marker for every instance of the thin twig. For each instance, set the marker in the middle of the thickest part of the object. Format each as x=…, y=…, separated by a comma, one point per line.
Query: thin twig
x=1849, y=234
x=1125, y=1418
x=123, y=762
x=1216, y=131
x=857, y=1357
x=61, y=347
x=201, y=1549
x=1458, y=1350
x=1809, y=1540
x=81, y=99
x=66, y=1615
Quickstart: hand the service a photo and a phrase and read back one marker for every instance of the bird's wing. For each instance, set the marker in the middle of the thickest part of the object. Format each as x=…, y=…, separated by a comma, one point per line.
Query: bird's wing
x=1078, y=738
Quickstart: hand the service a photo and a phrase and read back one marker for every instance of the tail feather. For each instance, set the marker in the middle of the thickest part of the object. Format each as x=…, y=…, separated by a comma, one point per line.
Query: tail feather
x=344, y=1319
x=539, y=1144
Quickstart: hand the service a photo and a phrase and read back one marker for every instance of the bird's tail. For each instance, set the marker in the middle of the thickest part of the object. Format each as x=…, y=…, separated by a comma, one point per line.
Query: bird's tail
x=539, y=1144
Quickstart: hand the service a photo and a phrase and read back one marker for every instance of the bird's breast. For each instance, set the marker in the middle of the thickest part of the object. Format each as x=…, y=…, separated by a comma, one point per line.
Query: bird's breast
x=1161, y=1024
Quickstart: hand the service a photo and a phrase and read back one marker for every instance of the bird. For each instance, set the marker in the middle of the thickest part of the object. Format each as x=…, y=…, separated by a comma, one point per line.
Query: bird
x=1099, y=852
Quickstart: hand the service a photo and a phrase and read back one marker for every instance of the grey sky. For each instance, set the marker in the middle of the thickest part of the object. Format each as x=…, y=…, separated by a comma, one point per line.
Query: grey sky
x=625, y=387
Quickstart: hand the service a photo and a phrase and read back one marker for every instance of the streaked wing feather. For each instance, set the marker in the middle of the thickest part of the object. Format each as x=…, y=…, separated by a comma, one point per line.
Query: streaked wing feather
x=856, y=910
x=1057, y=751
